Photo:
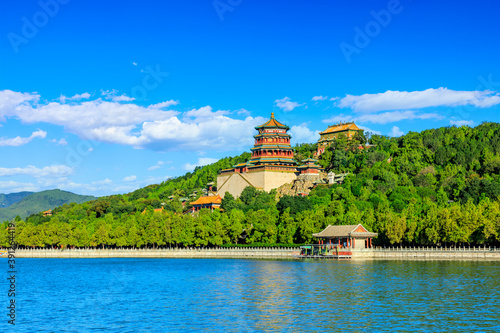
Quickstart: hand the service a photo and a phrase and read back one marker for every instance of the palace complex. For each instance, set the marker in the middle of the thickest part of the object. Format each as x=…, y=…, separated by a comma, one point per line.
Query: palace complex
x=272, y=164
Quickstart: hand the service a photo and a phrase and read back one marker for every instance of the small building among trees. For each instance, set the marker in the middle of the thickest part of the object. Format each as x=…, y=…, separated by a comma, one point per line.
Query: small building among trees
x=210, y=202
x=350, y=236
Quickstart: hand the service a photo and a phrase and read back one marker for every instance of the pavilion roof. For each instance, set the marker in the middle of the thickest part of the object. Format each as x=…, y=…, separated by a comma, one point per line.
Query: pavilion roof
x=207, y=200
x=356, y=230
x=272, y=123
x=341, y=128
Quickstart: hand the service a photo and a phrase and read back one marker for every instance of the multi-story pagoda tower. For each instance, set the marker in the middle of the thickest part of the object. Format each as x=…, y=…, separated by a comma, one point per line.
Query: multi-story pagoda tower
x=270, y=166
x=272, y=145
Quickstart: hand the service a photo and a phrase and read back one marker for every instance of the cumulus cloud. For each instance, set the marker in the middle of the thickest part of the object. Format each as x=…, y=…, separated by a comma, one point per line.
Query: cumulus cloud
x=319, y=98
x=19, y=141
x=30, y=170
x=394, y=100
x=201, y=162
x=302, y=134
x=141, y=127
x=130, y=178
x=462, y=122
x=395, y=131
x=286, y=105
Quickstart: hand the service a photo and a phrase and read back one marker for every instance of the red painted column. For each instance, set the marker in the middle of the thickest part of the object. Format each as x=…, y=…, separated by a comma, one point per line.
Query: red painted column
x=353, y=243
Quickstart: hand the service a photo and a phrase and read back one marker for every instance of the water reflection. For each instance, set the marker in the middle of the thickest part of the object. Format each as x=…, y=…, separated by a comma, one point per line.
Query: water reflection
x=160, y=295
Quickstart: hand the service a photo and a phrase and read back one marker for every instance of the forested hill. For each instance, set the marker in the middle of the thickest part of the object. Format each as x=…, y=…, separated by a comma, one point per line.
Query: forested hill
x=8, y=199
x=40, y=201
x=433, y=187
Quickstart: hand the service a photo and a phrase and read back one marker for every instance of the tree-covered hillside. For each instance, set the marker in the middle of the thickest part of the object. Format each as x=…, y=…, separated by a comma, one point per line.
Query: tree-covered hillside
x=8, y=199
x=440, y=186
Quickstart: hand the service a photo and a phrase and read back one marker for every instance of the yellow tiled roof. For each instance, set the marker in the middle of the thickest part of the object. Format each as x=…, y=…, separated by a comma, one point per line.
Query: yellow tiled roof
x=340, y=128
x=207, y=200
x=272, y=123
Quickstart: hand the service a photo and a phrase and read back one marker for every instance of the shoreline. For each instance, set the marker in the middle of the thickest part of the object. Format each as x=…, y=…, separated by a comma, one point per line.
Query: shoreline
x=260, y=253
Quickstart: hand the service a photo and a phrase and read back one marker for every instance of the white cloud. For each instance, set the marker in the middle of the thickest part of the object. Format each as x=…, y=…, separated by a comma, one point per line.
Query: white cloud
x=201, y=162
x=30, y=170
x=286, y=104
x=122, y=98
x=302, y=134
x=162, y=105
x=394, y=100
x=395, y=131
x=112, y=95
x=134, y=125
x=203, y=113
x=19, y=141
x=462, y=122
x=130, y=178
x=76, y=97
x=319, y=98
x=134, y=63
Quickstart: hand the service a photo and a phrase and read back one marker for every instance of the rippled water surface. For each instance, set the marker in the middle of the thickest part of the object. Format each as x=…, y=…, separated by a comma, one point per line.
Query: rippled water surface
x=216, y=295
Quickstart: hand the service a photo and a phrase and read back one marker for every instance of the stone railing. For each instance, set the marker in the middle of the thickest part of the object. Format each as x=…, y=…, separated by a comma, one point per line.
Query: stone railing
x=233, y=252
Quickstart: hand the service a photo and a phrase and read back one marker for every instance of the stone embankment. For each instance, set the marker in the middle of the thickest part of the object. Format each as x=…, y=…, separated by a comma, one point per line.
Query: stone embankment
x=392, y=253
x=257, y=253
x=430, y=253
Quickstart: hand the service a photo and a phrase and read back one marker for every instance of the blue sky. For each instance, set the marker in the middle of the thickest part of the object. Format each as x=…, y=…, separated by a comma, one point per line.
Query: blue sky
x=102, y=97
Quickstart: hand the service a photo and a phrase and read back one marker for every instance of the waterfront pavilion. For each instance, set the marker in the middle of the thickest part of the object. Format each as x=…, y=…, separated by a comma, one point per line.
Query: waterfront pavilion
x=350, y=236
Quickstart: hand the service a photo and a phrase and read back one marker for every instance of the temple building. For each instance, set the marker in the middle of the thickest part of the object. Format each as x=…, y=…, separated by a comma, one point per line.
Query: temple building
x=270, y=166
x=332, y=132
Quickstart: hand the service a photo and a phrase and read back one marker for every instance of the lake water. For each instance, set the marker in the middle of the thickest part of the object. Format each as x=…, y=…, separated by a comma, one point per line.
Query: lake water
x=218, y=295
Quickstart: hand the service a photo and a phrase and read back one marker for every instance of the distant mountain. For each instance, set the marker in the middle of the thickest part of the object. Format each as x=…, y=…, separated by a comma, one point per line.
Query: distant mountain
x=8, y=199
x=40, y=201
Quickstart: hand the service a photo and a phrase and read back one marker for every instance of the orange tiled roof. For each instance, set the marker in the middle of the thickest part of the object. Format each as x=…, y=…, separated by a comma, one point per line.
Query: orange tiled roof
x=272, y=123
x=340, y=128
x=207, y=200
